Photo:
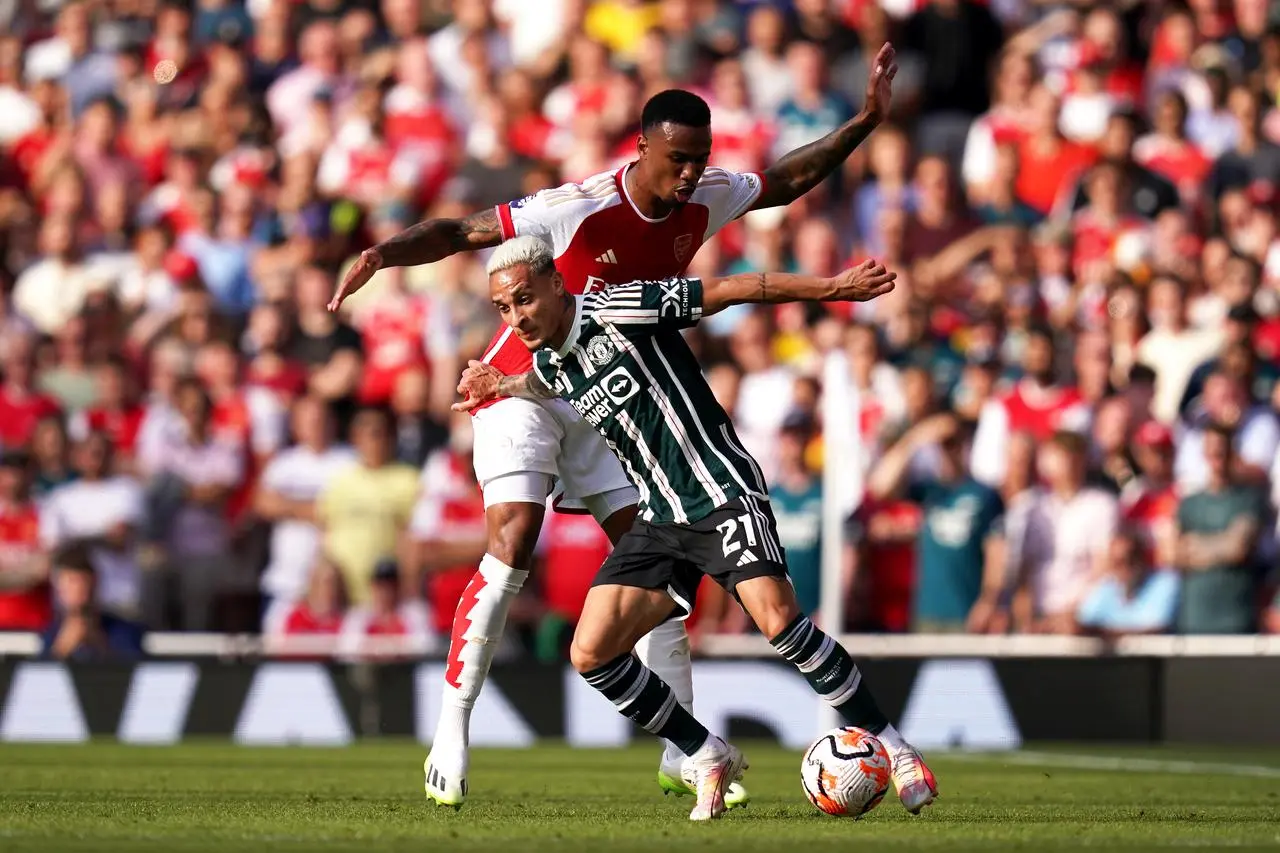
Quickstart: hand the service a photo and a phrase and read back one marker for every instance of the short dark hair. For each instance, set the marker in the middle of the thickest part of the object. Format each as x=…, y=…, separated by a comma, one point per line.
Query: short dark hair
x=73, y=557
x=1141, y=374
x=676, y=106
x=1225, y=431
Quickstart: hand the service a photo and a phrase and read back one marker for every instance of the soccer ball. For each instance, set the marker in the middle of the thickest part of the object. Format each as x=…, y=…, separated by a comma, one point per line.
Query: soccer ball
x=846, y=772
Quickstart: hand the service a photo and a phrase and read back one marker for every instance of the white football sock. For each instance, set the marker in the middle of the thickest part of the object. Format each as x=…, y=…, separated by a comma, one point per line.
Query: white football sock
x=665, y=650
x=477, y=627
x=892, y=740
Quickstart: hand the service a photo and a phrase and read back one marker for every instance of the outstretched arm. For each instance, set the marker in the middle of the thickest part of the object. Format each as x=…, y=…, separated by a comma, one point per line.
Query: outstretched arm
x=862, y=283
x=803, y=169
x=424, y=243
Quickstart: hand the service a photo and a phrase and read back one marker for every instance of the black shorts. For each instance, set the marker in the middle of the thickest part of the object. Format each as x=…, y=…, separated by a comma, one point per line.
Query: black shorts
x=737, y=542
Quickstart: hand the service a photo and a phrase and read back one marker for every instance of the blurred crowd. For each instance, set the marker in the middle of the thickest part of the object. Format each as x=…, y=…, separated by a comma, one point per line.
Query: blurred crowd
x=1065, y=419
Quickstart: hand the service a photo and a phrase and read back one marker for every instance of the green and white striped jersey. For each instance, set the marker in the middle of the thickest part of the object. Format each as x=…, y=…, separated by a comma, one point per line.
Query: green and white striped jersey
x=627, y=370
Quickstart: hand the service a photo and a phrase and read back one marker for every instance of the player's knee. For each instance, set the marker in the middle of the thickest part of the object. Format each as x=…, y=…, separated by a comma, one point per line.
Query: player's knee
x=513, y=530
x=586, y=656
x=771, y=603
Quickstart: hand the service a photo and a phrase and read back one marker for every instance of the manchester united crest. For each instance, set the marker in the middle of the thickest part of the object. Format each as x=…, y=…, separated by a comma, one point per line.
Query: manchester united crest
x=683, y=244
x=600, y=350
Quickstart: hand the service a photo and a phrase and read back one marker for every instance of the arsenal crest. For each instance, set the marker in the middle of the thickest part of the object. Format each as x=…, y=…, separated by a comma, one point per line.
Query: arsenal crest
x=683, y=244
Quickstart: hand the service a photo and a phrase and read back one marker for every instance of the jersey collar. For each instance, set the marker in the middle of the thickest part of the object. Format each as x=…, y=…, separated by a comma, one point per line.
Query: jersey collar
x=621, y=177
x=572, y=338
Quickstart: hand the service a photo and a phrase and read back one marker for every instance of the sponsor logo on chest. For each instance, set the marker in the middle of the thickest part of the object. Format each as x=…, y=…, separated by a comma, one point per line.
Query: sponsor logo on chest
x=599, y=401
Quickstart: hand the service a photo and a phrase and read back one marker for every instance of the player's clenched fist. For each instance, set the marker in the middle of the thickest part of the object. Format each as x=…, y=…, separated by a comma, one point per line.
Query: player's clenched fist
x=864, y=282
x=369, y=262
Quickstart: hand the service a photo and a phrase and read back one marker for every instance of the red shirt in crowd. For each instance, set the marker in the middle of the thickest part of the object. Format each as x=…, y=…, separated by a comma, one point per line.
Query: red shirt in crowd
x=456, y=511
x=393, y=343
x=120, y=425
x=1182, y=163
x=888, y=562
x=19, y=413
x=303, y=620
x=576, y=546
x=29, y=610
x=1043, y=176
x=1041, y=411
x=1152, y=512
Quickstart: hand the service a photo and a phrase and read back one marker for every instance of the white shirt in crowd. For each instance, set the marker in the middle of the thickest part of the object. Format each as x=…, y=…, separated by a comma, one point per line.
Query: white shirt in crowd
x=298, y=474
x=1257, y=441
x=1174, y=356
x=51, y=292
x=1060, y=542
x=764, y=400
x=84, y=510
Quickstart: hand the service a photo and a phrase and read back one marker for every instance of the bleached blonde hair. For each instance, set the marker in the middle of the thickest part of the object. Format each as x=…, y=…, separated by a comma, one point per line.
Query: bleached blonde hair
x=526, y=251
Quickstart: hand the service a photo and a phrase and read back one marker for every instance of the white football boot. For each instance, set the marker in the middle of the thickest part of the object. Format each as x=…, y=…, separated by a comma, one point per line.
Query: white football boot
x=446, y=779
x=672, y=780
x=914, y=780
x=711, y=770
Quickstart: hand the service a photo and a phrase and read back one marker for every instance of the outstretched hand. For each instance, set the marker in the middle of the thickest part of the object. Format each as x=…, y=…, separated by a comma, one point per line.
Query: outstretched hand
x=864, y=282
x=478, y=385
x=369, y=262
x=879, y=95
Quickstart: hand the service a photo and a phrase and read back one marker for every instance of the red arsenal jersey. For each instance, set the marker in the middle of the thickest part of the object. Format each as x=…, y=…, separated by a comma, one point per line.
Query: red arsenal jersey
x=28, y=610
x=19, y=414
x=600, y=238
x=1042, y=412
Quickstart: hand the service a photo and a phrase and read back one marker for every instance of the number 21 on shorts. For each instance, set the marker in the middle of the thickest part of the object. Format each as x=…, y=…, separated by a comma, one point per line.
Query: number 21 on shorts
x=733, y=531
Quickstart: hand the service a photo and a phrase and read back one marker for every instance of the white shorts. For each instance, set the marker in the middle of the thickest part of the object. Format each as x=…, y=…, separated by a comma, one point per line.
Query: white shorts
x=517, y=436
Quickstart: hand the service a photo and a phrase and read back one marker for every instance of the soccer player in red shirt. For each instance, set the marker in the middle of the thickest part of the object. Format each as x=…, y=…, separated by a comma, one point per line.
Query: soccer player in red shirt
x=643, y=222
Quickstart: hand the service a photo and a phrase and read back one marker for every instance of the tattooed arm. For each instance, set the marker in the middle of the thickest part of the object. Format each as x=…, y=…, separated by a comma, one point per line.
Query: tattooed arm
x=803, y=169
x=424, y=243
x=482, y=382
x=435, y=239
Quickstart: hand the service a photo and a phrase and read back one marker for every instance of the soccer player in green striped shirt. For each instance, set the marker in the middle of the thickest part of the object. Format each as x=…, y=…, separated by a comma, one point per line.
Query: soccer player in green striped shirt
x=618, y=358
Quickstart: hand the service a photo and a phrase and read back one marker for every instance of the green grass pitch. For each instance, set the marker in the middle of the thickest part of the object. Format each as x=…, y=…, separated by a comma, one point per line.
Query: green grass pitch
x=216, y=797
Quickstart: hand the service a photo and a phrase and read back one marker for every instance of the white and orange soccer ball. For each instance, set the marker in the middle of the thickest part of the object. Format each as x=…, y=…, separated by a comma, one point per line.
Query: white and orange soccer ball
x=846, y=772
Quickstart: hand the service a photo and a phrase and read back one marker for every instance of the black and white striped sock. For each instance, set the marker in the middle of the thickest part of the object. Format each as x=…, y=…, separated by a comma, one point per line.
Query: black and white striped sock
x=645, y=699
x=830, y=672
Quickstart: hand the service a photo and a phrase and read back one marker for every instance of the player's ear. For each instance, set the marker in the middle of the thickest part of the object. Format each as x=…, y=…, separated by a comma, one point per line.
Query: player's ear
x=557, y=283
x=642, y=144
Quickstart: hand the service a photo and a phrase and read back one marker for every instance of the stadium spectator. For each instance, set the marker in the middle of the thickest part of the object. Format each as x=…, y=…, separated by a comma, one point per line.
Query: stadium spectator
x=1149, y=502
x=191, y=474
x=387, y=613
x=958, y=545
x=1225, y=402
x=1172, y=348
x=1037, y=404
x=1218, y=529
x=1061, y=535
x=795, y=495
x=321, y=611
x=102, y=511
x=80, y=631
x=21, y=405
x=1132, y=597
x=286, y=497
x=158, y=232
x=50, y=453
x=24, y=564
x=364, y=509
